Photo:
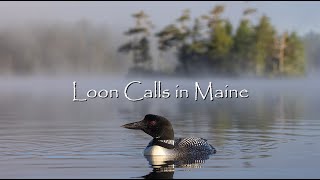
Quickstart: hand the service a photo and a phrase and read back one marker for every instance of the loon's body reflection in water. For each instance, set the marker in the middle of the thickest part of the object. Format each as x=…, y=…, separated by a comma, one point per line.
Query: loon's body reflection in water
x=164, y=166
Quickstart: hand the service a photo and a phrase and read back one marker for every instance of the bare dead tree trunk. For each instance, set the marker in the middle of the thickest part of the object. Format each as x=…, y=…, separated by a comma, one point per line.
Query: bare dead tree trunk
x=282, y=47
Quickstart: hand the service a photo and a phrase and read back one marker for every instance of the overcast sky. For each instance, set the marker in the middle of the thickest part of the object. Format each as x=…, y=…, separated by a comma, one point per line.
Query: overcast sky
x=299, y=16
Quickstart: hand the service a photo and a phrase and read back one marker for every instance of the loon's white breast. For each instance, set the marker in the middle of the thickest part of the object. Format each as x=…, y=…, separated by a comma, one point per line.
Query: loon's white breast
x=156, y=150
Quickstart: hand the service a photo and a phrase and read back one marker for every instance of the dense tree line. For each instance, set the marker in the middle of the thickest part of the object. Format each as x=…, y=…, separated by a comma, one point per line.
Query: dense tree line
x=210, y=44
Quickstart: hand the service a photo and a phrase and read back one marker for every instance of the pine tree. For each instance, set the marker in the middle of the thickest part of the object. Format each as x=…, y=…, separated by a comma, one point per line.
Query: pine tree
x=174, y=36
x=139, y=44
x=177, y=37
x=197, y=45
x=220, y=39
x=244, y=43
x=264, y=45
x=294, y=59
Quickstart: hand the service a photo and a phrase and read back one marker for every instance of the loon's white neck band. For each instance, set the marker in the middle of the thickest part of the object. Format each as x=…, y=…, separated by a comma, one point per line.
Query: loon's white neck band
x=167, y=141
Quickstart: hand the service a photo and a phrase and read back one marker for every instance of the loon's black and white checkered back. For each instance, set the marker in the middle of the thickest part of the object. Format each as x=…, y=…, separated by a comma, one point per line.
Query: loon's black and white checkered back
x=193, y=145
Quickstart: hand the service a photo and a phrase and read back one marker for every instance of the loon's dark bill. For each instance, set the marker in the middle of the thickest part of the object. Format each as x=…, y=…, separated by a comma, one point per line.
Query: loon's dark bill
x=134, y=125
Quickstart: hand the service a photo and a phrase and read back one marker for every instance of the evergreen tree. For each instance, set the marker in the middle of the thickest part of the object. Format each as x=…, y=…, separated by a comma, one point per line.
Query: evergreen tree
x=177, y=37
x=197, y=45
x=264, y=45
x=220, y=39
x=220, y=42
x=139, y=45
x=174, y=36
x=244, y=44
x=294, y=60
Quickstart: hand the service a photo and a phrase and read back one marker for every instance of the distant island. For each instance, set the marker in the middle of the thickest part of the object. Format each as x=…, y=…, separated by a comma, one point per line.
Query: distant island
x=209, y=44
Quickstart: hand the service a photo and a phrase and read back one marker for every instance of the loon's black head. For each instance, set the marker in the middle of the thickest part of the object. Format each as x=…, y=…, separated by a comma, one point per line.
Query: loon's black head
x=156, y=126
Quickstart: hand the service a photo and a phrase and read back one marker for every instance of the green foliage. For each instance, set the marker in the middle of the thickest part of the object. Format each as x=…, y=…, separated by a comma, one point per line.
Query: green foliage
x=221, y=41
x=171, y=36
x=264, y=45
x=139, y=46
x=294, y=56
x=249, y=11
x=136, y=30
x=243, y=46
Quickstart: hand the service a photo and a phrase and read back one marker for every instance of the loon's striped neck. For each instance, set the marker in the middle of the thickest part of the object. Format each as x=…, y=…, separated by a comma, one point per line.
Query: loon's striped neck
x=167, y=143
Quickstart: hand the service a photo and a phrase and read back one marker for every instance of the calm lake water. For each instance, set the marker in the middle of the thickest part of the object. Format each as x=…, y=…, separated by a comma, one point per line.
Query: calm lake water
x=275, y=133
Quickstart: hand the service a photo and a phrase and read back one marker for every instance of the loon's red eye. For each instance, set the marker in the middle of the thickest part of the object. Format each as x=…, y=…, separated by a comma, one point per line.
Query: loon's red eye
x=152, y=123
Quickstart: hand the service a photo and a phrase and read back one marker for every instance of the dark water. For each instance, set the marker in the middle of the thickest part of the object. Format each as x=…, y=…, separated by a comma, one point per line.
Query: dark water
x=275, y=133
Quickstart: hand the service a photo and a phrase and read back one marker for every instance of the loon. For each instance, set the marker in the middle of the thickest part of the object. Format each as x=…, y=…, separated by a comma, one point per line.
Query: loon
x=164, y=143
